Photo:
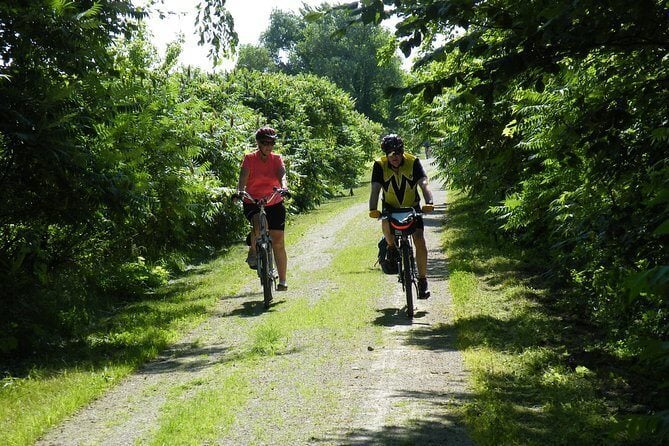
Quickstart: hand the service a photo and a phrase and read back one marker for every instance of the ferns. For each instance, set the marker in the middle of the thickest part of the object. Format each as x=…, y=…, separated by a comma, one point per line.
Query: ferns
x=570, y=161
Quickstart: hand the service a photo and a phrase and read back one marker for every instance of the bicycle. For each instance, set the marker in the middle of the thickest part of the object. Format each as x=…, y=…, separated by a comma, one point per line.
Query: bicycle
x=266, y=272
x=402, y=226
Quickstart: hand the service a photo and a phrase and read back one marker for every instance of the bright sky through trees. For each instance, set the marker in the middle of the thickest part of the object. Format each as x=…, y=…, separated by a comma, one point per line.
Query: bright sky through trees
x=251, y=19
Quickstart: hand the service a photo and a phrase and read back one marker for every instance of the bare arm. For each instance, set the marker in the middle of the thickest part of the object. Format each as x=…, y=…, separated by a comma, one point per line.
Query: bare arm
x=374, y=196
x=243, y=178
x=427, y=193
x=281, y=174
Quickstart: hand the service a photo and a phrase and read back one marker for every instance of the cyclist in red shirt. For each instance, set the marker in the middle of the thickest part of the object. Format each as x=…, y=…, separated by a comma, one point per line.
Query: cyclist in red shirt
x=260, y=173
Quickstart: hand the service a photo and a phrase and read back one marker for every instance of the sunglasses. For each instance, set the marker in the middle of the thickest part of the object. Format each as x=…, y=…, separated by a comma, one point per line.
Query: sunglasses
x=267, y=142
x=395, y=152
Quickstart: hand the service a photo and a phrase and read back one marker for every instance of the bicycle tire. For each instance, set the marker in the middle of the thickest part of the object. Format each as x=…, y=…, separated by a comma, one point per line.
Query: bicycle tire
x=266, y=279
x=407, y=278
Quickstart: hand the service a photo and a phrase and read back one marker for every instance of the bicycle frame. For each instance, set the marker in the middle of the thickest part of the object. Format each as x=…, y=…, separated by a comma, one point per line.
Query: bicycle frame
x=264, y=252
x=402, y=226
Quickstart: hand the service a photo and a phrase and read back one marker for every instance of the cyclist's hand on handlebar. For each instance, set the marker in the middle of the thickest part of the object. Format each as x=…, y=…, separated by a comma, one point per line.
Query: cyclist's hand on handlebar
x=427, y=208
x=237, y=196
x=283, y=192
x=375, y=213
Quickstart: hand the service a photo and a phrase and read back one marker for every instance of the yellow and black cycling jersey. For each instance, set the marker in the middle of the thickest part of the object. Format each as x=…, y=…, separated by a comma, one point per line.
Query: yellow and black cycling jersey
x=399, y=188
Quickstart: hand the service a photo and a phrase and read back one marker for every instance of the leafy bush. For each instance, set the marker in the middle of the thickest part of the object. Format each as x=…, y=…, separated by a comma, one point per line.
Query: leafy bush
x=107, y=176
x=133, y=279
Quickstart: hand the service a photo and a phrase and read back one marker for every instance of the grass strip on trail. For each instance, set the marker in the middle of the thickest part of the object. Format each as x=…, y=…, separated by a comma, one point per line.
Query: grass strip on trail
x=286, y=354
x=201, y=409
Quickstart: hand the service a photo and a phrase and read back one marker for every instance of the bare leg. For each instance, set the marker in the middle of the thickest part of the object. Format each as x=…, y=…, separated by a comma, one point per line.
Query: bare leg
x=387, y=233
x=254, y=235
x=280, y=256
x=421, y=252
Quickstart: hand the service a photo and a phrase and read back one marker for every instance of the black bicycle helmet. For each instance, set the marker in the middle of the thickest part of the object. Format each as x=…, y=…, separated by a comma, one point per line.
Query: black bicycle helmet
x=392, y=143
x=266, y=133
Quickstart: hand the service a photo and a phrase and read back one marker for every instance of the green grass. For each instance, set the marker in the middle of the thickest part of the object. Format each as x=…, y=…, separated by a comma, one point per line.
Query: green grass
x=136, y=333
x=269, y=339
x=114, y=348
x=528, y=386
x=270, y=344
x=202, y=410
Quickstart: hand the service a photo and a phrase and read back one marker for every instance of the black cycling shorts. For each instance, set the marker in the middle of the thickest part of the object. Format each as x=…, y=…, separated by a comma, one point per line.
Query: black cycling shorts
x=276, y=215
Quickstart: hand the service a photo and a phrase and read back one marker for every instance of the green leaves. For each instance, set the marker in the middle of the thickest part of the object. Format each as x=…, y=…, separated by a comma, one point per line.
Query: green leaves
x=215, y=26
x=324, y=141
x=556, y=116
x=356, y=57
x=112, y=177
x=654, y=281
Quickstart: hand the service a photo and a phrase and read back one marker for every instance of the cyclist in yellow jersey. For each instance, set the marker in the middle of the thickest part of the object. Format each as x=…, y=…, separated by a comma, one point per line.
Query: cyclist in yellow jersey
x=399, y=175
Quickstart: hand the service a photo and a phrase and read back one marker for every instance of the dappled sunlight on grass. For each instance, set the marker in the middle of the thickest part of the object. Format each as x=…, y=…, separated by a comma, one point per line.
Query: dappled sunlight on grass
x=527, y=387
x=533, y=399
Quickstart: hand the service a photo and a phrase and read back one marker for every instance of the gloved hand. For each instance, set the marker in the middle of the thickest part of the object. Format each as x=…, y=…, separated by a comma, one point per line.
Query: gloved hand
x=427, y=208
x=375, y=213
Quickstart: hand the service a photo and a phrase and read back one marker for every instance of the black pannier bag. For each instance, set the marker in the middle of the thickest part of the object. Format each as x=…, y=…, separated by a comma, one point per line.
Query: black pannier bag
x=386, y=266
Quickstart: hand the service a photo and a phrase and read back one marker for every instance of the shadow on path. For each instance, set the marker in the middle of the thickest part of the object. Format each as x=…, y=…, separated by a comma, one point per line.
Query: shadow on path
x=442, y=430
x=391, y=317
x=187, y=358
x=252, y=308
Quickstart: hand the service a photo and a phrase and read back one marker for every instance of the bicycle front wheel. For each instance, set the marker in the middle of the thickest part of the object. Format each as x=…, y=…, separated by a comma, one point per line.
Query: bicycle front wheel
x=407, y=278
x=266, y=275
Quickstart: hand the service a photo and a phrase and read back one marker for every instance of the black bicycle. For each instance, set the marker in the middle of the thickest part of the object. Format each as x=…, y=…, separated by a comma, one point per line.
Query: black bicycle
x=402, y=224
x=265, y=255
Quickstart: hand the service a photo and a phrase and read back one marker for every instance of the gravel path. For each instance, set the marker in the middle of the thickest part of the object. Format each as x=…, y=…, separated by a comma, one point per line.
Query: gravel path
x=411, y=386
x=400, y=389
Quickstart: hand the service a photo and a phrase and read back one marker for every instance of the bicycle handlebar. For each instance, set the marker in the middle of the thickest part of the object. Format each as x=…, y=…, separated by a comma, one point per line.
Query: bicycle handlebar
x=410, y=211
x=264, y=200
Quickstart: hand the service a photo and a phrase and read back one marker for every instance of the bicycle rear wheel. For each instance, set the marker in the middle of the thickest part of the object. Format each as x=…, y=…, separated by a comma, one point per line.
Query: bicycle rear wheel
x=407, y=278
x=266, y=277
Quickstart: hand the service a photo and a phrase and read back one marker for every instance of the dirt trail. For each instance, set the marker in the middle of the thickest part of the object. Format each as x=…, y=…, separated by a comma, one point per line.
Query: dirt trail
x=414, y=382
x=402, y=391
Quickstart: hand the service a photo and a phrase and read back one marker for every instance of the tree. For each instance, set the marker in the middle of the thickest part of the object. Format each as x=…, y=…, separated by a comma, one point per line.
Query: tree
x=255, y=58
x=350, y=59
x=555, y=112
x=325, y=141
x=53, y=59
x=114, y=165
x=284, y=31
